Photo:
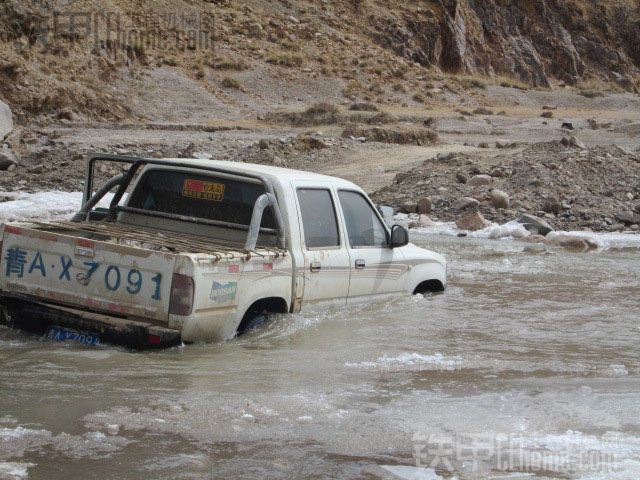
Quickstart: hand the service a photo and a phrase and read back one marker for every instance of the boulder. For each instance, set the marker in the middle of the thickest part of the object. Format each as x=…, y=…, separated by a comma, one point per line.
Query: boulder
x=255, y=30
x=461, y=177
x=535, y=249
x=424, y=205
x=552, y=205
x=576, y=142
x=499, y=199
x=425, y=221
x=571, y=242
x=409, y=207
x=535, y=224
x=5, y=162
x=480, y=180
x=473, y=221
x=6, y=121
x=465, y=203
x=422, y=222
x=628, y=217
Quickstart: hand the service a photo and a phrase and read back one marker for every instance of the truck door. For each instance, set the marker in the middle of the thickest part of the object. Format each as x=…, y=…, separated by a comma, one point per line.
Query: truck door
x=376, y=269
x=326, y=259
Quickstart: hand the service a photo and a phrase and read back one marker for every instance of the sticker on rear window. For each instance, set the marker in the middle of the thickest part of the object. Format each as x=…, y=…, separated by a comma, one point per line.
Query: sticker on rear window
x=201, y=190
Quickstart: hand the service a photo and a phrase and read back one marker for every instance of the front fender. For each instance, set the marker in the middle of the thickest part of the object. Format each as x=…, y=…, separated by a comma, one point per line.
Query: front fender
x=426, y=265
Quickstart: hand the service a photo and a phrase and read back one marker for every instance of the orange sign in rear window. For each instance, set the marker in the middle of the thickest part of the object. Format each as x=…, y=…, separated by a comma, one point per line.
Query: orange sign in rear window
x=203, y=190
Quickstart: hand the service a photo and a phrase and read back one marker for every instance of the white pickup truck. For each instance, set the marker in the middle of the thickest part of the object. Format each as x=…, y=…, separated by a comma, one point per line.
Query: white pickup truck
x=199, y=250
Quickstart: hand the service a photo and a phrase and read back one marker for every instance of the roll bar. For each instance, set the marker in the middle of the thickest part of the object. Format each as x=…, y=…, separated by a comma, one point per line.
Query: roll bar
x=123, y=181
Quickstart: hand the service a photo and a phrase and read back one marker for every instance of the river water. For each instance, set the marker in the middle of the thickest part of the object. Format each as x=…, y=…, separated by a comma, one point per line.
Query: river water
x=527, y=366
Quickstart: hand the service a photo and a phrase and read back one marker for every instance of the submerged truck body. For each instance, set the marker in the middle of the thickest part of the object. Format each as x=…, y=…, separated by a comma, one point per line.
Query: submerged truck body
x=194, y=250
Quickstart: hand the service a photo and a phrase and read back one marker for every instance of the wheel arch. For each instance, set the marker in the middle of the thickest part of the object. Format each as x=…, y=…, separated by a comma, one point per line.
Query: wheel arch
x=427, y=277
x=263, y=305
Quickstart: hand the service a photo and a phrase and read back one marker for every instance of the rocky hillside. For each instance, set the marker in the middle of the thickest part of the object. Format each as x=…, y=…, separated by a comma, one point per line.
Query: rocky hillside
x=535, y=41
x=391, y=52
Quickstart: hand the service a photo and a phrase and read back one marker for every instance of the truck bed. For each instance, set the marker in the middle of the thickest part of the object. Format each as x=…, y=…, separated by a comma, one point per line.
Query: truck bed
x=157, y=240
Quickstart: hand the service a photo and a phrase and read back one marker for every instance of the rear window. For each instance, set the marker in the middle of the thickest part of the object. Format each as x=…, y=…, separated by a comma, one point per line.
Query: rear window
x=202, y=196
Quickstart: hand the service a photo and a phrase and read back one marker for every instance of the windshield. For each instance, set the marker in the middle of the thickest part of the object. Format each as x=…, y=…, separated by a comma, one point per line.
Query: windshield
x=202, y=196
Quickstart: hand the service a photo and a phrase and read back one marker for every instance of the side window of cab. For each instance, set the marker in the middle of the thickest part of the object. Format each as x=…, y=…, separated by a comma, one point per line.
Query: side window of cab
x=364, y=227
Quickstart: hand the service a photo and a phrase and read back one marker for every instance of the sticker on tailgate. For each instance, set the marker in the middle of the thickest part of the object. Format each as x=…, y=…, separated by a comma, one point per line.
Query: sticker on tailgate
x=202, y=190
x=60, y=268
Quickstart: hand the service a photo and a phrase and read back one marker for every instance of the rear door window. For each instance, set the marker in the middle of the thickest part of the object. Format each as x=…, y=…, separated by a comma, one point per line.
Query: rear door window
x=201, y=196
x=318, y=218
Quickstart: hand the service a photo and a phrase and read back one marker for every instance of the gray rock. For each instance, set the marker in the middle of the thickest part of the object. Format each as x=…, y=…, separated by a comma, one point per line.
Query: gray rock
x=473, y=221
x=552, y=205
x=409, y=207
x=255, y=29
x=499, y=199
x=6, y=121
x=461, y=177
x=479, y=180
x=465, y=203
x=8, y=159
x=5, y=162
x=628, y=217
x=576, y=142
x=535, y=224
x=535, y=249
x=424, y=205
x=445, y=156
x=422, y=222
x=572, y=242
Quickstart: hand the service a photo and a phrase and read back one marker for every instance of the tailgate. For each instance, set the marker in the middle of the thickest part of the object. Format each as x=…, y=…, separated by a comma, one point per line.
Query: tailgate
x=85, y=273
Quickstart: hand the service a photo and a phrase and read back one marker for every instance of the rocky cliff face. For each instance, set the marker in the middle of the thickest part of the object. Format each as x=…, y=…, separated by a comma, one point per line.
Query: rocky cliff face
x=533, y=40
x=377, y=50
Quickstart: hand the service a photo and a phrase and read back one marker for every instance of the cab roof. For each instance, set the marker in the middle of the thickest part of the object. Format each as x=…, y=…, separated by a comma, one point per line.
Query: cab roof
x=279, y=173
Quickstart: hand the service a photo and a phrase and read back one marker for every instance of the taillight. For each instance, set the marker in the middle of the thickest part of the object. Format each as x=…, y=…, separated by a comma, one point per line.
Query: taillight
x=181, y=299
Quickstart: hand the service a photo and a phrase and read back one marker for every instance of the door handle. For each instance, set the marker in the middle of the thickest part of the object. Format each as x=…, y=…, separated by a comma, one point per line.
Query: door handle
x=315, y=266
x=360, y=264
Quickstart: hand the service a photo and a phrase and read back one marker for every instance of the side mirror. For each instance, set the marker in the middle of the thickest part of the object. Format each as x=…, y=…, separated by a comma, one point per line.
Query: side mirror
x=399, y=236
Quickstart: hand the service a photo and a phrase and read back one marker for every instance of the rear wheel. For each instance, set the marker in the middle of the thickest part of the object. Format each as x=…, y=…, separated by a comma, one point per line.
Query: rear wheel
x=252, y=322
x=260, y=312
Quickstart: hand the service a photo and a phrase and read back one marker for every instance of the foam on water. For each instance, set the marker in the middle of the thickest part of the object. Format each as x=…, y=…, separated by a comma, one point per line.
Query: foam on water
x=15, y=442
x=411, y=361
x=14, y=470
x=405, y=472
x=515, y=230
x=54, y=205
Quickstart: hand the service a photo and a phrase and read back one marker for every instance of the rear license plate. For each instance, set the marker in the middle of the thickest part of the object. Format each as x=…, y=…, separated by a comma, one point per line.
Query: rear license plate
x=66, y=334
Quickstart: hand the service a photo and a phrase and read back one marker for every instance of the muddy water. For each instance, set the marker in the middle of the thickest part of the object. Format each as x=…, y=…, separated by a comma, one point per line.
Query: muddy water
x=526, y=365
